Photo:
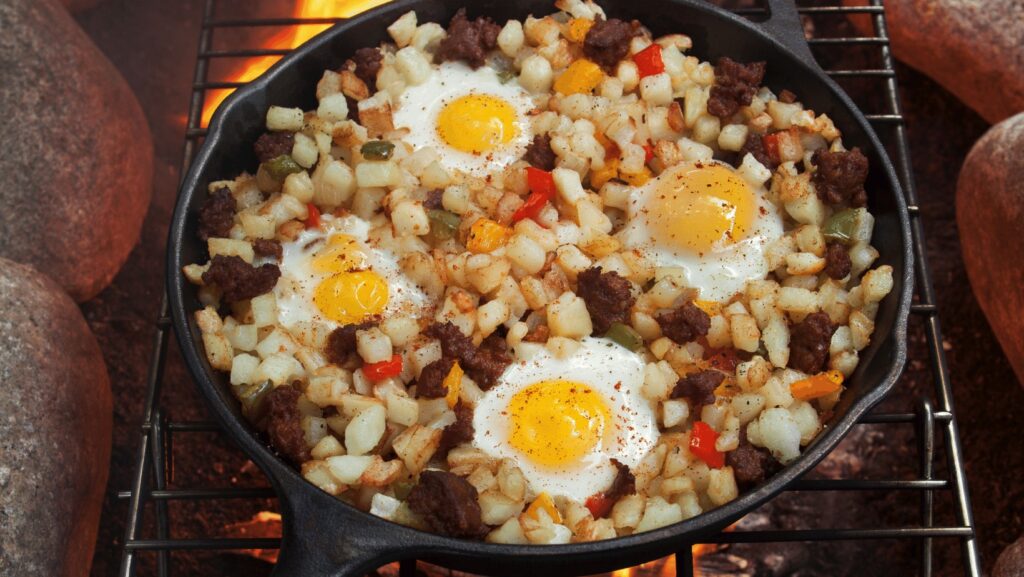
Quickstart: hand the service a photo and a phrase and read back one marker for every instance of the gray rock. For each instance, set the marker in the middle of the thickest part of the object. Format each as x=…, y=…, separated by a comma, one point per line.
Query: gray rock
x=989, y=212
x=80, y=5
x=77, y=161
x=971, y=47
x=1011, y=561
x=55, y=428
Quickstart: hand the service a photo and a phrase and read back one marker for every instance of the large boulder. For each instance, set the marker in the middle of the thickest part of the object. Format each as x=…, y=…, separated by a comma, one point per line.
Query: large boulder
x=1011, y=561
x=971, y=47
x=989, y=214
x=77, y=162
x=55, y=428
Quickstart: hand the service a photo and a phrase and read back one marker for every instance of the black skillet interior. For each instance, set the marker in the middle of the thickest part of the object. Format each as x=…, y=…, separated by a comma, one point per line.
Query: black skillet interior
x=324, y=536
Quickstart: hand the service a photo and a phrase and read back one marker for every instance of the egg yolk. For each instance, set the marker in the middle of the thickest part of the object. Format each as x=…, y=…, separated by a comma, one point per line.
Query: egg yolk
x=477, y=123
x=342, y=254
x=351, y=297
x=696, y=208
x=557, y=422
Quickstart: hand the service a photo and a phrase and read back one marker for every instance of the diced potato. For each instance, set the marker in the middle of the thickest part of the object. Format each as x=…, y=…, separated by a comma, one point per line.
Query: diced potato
x=374, y=173
x=535, y=74
x=276, y=342
x=415, y=445
x=659, y=513
x=290, y=119
x=409, y=218
x=218, y=351
x=348, y=469
x=745, y=334
x=511, y=38
x=876, y=283
x=333, y=107
x=797, y=300
x=327, y=389
x=779, y=433
x=510, y=532
x=365, y=430
x=402, y=410
x=674, y=412
x=722, y=486
x=627, y=511
x=373, y=345
x=656, y=89
x=402, y=29
x=334, y=183
x=230, y=247
x=381, y=473
x=319, y=473
x=327, y=447
x=496, y=507
x=243, y=369
x=568, y=317
x=384, y=506
x=413, y=65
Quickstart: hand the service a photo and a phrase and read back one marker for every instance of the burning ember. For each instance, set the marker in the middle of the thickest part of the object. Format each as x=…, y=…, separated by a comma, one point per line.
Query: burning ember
x=289, y=38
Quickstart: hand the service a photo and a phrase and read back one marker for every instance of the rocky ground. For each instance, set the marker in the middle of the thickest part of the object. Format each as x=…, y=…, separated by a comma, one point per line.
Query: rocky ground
x=159, y=69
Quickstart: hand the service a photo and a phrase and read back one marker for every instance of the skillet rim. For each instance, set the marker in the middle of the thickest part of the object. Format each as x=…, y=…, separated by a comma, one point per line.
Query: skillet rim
x=286, y=479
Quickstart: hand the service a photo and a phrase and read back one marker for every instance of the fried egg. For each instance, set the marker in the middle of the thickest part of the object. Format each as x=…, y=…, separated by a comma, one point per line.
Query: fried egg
x=563, y=420
x=705, y=219
x=476, y=123
x=331, y=275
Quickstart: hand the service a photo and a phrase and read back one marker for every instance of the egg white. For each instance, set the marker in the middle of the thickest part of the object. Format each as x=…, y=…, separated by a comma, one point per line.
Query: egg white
x=614, y=373
x=294, y=292
x=419, y=106
x=720, y=272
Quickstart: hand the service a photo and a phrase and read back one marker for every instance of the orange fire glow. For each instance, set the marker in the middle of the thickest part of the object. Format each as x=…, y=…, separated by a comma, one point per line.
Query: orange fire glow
x=288, y=38
x=267, y=524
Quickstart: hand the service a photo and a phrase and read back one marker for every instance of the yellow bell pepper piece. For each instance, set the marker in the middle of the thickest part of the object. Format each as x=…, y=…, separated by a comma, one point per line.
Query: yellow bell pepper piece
x=637, y=179
x=544, y=503
x=816, y=386
x=599, y=177
x=486, y=235
x=453, y=382
x=712, y=308
x=582, y=76
x=577, y=29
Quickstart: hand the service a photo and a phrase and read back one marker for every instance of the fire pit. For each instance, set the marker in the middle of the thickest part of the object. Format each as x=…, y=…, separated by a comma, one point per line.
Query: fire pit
x=891, y=499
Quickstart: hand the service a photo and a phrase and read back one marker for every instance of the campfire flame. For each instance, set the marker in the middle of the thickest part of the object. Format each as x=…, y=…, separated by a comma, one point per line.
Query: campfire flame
x=288, y=38
x=267, y=524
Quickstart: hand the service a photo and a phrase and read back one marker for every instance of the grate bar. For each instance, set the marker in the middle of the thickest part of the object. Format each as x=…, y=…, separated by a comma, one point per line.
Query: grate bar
x=202, y=544
x=196, y=494
x=153, y=460
x=784, y=536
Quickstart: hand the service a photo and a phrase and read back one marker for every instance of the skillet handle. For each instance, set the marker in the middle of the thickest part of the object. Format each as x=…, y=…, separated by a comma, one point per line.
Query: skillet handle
x=785, y=26
x=322, y=539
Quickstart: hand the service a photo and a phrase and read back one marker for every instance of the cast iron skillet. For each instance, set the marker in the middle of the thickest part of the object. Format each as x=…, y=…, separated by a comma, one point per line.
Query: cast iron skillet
x=326, y=537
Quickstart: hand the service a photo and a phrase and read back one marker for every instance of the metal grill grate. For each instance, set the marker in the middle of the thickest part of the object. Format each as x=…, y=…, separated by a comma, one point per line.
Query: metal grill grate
x=937, y=439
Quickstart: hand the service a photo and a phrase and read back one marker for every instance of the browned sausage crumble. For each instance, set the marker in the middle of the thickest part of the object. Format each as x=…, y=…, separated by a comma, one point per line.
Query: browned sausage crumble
x=341, y=343
x=840, y=176
x=284, y=424
x=735, y=86
x=469, y=40
x=270, y=145
x=837, y=261
x=217, y=215
x=684, y=324
x=539, y=153
x=448, y=505
x=367, y=64
x=239, y=280
x=698, y=388
x=608, y=296
x=607, y=41
x=430, y=385
x=809, y=341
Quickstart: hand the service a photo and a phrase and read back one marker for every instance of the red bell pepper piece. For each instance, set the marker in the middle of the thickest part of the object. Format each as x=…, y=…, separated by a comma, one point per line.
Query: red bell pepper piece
x=771, y=146
x=599, y=505
x=542, y=190
x=384, y=369
x=648, y=61
x=648, y=153
x=313, y=220
x=702, y=444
